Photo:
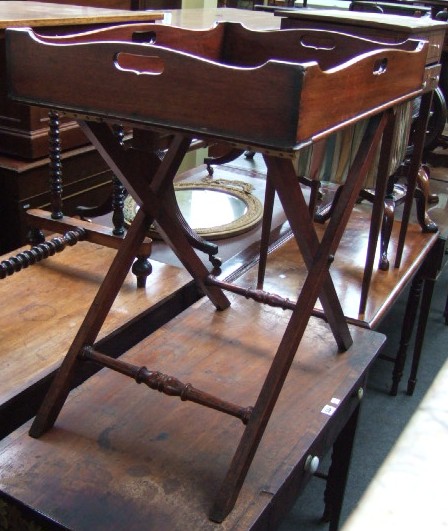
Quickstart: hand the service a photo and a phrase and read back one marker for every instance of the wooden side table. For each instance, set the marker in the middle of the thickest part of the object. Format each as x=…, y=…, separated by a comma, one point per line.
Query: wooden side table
x=131, y=466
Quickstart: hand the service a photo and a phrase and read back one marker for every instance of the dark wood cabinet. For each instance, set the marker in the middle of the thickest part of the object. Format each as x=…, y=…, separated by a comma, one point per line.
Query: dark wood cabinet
x=123, y=4
x=109, y=4
x=24, y=129
x=24, y=147
x=25, y=184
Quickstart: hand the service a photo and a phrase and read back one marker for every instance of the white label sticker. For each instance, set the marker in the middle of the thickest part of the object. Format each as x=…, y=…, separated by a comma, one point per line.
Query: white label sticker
x=335, y=401
x=328, y=410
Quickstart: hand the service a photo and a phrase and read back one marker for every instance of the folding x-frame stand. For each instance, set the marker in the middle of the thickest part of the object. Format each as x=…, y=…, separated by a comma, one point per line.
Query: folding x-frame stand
x=152, y=193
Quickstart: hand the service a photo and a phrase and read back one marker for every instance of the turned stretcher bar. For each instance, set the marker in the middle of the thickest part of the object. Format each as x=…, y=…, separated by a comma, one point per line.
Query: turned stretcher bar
x=227, y=83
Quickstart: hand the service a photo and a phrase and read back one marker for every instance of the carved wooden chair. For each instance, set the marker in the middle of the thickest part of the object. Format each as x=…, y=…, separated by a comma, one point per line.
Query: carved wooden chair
x=324, y=168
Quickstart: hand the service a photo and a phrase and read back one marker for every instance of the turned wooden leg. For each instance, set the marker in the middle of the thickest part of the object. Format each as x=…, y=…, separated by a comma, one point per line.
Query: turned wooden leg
x=386, y=231
x=35, y=235
x=338, y=472
x=141, y=268
x=406, y=331
x=55, y=165
x=428, y=289
x=423, y=197
x=118, y=192
x=229, y=156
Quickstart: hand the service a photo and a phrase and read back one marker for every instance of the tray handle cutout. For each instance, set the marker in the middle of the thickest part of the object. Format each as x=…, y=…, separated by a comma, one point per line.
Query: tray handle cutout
x=380, y=67
x=139, y=64
x=144, y=37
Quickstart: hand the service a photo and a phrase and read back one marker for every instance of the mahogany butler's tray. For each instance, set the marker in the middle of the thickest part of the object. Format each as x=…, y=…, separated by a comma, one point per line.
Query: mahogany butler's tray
x=274, y=92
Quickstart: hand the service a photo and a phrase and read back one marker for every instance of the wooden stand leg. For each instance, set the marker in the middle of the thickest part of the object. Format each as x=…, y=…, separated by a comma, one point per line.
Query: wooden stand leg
x=338, y=473
x=91, y=326
x=428, y=289
x=268, y=209
x=406, y=331
x=296, y=211
x=267, y=398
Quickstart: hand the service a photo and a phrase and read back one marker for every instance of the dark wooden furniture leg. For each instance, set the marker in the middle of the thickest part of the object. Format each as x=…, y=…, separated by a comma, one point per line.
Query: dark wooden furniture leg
x=386, y=231
x=395, y=195
x=431, y=269
x=269, y=196
x=420, y=294
x=196, y=241
x=55, y=166
x=35, y=235
x=377, y=210
x=426, y=298
x=406, y=331
x=338, y=472
x=422, y=198
x=414, y=167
